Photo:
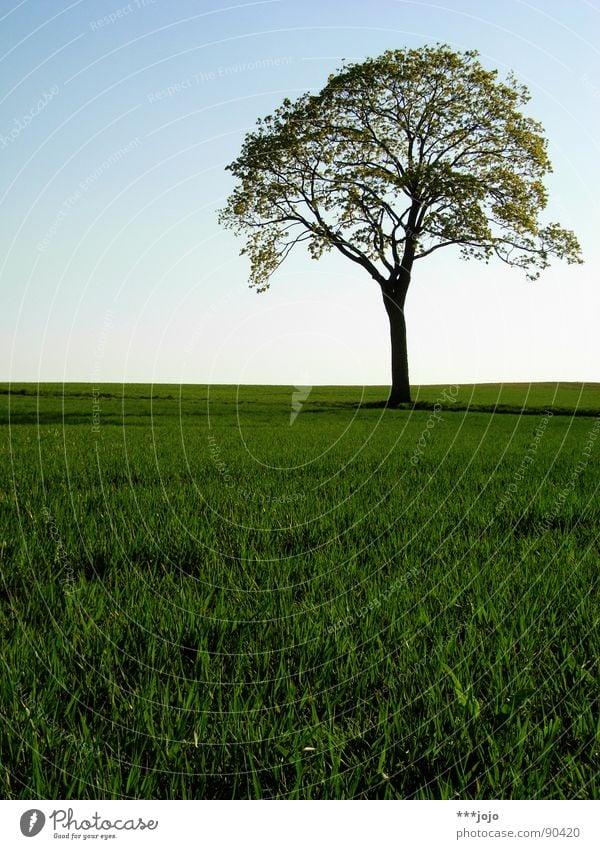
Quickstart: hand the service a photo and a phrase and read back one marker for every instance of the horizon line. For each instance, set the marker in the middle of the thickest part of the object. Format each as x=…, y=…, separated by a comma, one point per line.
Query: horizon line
x=95, y=382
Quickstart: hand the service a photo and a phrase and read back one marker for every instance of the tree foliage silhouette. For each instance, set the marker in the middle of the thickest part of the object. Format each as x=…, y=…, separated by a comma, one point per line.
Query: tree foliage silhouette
x=397, y=157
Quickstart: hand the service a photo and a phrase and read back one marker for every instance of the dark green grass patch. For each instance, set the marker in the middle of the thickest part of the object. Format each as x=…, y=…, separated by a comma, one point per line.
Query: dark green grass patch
x=204, y=595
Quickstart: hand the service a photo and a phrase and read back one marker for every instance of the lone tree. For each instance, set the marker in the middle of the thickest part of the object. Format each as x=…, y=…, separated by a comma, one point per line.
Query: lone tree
x=395, y=158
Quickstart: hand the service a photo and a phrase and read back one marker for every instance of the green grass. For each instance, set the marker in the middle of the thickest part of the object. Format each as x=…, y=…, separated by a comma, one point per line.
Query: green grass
x=200, y=600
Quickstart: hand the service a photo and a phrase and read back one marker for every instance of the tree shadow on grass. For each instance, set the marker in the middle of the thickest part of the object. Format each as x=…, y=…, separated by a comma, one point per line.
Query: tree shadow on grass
x=430, y=406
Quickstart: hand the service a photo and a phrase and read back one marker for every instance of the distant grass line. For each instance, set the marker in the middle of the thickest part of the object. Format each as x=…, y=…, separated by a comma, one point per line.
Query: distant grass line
x=583, y=398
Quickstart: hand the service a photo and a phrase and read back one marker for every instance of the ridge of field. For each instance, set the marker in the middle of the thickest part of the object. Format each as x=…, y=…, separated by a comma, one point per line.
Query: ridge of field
x=283, y=592
x=127, y=401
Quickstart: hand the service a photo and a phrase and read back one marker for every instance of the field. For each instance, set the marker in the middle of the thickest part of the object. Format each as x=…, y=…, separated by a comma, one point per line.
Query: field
x=276, y=592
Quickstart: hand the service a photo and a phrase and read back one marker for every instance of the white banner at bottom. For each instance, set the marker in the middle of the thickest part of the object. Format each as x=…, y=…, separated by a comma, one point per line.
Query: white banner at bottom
x=283, y=824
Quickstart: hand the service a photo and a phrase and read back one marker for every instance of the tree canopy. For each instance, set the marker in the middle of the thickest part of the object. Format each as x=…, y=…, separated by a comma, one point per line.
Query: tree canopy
x=406, y=153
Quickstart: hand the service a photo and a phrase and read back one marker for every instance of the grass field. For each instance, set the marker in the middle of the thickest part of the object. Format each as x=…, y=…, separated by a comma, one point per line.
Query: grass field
x=270, y=592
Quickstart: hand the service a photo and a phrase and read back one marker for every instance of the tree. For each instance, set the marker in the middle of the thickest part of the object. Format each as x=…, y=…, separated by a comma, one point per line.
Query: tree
x=395, y=158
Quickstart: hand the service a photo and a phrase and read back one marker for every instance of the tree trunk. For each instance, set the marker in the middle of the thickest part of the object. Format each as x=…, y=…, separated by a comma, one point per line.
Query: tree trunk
x=400, y=391
x=394, y=291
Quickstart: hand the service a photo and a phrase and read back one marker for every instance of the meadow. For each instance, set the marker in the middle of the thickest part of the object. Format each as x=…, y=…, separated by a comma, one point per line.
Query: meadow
x=276, y=592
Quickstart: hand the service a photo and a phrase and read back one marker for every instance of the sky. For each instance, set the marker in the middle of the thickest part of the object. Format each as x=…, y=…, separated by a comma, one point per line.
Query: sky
x=116, y=123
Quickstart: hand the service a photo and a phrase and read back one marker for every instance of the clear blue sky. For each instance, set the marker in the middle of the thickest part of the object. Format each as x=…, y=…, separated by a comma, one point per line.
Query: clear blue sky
x=116, y=122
